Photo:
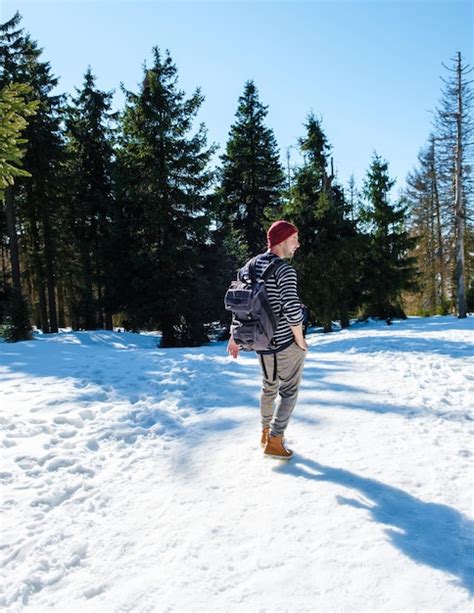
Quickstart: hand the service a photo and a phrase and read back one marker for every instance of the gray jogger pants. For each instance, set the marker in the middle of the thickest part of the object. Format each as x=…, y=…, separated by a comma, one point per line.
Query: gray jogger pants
x=289, y=368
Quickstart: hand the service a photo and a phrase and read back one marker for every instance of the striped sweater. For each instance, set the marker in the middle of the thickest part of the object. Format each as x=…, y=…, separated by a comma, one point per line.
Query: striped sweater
x=282, y=293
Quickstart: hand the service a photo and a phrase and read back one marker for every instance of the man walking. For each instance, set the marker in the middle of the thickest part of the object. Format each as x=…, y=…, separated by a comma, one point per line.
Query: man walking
x=282, y=366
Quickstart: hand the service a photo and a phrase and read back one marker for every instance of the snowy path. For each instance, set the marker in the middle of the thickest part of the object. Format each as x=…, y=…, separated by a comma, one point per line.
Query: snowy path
x=133, y=479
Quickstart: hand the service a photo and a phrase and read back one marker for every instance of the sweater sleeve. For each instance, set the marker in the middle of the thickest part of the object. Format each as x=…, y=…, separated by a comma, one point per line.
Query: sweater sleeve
x=291, y=304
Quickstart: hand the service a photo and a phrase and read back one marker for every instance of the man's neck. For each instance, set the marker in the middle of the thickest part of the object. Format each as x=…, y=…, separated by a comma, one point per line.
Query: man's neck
x=278, y=250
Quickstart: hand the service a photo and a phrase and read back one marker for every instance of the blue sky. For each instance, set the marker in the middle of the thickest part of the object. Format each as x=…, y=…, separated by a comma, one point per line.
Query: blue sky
x=370, y=69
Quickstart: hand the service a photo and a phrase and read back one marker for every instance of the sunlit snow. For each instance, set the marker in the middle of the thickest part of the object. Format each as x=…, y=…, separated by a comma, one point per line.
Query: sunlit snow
x=133, y=478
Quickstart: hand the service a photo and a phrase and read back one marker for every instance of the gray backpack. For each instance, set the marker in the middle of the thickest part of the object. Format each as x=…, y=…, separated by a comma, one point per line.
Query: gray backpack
x=253, y=323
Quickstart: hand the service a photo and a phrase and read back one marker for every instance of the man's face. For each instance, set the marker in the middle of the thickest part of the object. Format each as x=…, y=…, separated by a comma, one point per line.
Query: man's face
x=291, y=245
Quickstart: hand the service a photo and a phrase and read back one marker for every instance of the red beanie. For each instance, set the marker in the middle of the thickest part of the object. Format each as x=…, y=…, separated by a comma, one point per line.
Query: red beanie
x=279, y=231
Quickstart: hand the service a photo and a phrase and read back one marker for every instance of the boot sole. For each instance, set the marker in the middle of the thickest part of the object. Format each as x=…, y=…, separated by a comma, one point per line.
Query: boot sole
x=274, y=456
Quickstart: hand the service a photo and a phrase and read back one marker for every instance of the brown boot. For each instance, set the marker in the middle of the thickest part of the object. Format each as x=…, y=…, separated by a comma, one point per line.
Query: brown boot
x=264, y=439
x=276, y=449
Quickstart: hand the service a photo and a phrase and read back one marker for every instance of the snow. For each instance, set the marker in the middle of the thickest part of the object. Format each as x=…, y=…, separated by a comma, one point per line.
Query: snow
x=133, y=478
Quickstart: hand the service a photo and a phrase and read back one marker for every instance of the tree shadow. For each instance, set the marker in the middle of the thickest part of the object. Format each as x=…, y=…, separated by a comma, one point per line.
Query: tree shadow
x=162, y=387
x=398, y=341
x=159, y=389
x=397, y=344
x=136, y=389
x=432, y=534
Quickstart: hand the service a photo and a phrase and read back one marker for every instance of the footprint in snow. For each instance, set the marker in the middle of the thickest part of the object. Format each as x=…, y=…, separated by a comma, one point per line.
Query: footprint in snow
x=93, y=445
x=70, y=421
x=34, y=472
x=79, y=469
x=25, y=463
x=94, y=591
x=55, y=499
x=60, y=463
x=67, y=434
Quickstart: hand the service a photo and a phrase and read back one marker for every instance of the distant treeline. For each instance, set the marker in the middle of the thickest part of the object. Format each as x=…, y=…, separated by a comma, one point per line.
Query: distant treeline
x=120, y=219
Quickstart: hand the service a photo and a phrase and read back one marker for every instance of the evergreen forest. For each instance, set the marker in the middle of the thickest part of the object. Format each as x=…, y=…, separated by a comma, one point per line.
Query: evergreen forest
x=123, y=219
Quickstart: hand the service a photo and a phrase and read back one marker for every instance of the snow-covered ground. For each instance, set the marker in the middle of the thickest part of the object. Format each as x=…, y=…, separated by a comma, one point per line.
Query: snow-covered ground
x=133, y=478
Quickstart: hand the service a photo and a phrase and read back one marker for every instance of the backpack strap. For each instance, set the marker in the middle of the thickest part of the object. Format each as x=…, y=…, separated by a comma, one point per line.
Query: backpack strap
x=252, y=267
x=262, y=361
x=272, y=267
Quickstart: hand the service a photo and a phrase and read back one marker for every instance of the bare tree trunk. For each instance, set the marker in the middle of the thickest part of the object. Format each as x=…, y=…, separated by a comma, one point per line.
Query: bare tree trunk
x=88, y=311
x=4, y=269
x=433, y=294
x=344, y=313
x=61, y=308
x=109, y=324
x=458, y=204
x=20, y=328
x=440, y=250
x=327, y=327
x=103, y=279
x=39, y=275
x=70, y=302
x=11, y=228
x=50, y=280
x=99, y=313
x=100, y=309
x=168, y=333
x=42, y=306
x=35, y=316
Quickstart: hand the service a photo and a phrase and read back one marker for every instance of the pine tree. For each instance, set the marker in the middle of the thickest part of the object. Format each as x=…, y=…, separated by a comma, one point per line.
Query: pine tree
x=328, y=261
x=14, y=111
x=36, y=198
x=224, y=256
x=163, y=195
x=18, y=327
x=10, y=166
x=353, y=197
x=389, y=268
x=252, y=177
x=89, y=145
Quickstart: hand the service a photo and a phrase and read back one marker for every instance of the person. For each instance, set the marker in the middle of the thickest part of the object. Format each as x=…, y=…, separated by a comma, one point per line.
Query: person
x=282, y=366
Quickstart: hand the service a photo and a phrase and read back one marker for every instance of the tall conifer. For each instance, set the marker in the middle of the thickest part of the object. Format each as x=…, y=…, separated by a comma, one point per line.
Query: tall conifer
x=89, y=138
x=163, y=192
x=389, y=269
x=14, y=111
x=252, y=175
x=36, y=198
x=328, y=260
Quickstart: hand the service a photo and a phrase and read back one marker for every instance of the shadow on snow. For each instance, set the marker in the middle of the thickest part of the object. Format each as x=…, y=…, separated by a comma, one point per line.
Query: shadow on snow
x=160, y=389
x=428, y=533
